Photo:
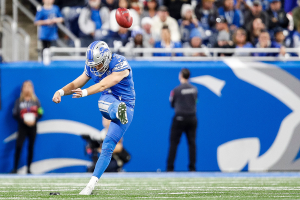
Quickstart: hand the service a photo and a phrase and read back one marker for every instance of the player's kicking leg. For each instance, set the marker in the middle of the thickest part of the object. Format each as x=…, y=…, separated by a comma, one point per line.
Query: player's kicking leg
x=122, y=113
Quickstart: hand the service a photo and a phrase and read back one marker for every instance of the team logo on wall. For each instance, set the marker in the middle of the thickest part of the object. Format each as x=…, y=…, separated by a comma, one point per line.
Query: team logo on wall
x=235, y=155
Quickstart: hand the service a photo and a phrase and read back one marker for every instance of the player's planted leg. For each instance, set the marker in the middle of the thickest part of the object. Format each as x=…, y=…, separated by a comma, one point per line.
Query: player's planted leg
x=108, y=147
x=90, y=186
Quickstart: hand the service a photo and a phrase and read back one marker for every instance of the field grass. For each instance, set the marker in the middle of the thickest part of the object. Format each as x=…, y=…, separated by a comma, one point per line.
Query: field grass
x=165, y=187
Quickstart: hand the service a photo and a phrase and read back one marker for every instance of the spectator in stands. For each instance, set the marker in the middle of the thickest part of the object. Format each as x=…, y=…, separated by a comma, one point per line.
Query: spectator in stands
x=175, y=7
x=296, y=36
x=114, y=26
x=136, y=41
x=47, y=18
x=148, y=39
x=71, y=15
x=224, y=42
x=162, y=18
x=240, y=41
x=27, y=111
x=150, y=9
x=167, y=43
x=110, y=4
x=277, y=16
x=296, y=14
x=264, y=41
x=67, y=3
x=206, y=13
x=265, y=4
x=195, y=42
x=256, y=28
x=279, y=37
x=93, y=22
x=137, y=6
x=221, y=25
x=118, y=39
x=187, y=22
x=243, y=5
x=234, y=17
x=255, y=11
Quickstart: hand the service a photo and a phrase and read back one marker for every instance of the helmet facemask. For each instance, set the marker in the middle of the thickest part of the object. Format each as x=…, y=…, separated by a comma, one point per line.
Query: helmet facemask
x=100, y=71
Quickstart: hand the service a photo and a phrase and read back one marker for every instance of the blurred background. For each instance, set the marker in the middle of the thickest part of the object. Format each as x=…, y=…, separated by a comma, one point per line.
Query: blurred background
x=243, y=56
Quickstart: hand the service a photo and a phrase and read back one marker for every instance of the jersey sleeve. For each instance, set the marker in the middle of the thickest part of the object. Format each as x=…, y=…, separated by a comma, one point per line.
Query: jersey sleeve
x=121, y=65
x=87, y=71
x=38, y=16
x=171, y=98
x=58, y=13
x=16, y=109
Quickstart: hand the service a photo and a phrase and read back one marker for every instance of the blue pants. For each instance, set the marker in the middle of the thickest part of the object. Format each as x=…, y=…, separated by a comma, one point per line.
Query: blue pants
x=108, y=106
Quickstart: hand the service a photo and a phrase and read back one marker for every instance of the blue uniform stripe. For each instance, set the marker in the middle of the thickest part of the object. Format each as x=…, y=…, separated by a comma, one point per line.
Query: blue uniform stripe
x=90, y=55
x=93, y=45
x=90, y=51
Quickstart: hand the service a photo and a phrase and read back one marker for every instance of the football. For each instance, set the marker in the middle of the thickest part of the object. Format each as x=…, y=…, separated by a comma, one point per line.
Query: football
x=123, y=17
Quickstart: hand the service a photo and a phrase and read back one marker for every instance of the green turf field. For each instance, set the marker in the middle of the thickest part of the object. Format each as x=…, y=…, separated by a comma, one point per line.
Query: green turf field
x=152, y=188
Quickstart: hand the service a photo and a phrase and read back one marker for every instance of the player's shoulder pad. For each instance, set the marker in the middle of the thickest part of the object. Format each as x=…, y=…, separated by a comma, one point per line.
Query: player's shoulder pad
x=119, y=63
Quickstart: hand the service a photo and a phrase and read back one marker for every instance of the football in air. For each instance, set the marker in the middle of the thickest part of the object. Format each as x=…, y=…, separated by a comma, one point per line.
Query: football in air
x=123, y=17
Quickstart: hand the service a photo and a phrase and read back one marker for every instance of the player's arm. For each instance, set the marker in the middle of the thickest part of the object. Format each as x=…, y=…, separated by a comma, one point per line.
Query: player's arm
x=58, y=20
x=172, y=98
x=109, y=81
x=67, y=90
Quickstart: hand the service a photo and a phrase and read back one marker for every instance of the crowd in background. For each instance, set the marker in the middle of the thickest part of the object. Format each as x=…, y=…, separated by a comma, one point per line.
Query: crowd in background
x=178, y=23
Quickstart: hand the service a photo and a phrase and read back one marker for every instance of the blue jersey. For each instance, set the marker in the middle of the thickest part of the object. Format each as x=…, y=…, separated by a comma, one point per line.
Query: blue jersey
x=95, y=16
x=124, y=90
x=48, y=32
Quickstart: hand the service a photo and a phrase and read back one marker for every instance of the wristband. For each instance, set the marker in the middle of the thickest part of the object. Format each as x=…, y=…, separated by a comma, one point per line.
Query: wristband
x=84, y=93
x=61, y=92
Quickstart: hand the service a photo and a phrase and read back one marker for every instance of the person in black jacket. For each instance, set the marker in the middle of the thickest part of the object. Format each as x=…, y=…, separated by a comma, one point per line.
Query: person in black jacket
x=206, y=13
x=256, y=11
x=27, y=111
x=183, y=98
x=174, y=7
x=277, y=16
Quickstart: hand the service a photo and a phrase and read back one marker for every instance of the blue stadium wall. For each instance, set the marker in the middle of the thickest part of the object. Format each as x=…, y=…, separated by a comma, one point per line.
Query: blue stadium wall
x=248, y=116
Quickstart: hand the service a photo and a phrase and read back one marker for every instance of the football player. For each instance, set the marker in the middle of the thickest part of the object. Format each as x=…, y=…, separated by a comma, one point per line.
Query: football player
x=113, y=78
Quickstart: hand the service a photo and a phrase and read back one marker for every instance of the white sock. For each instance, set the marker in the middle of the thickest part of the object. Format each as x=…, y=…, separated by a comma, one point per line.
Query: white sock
x=93, y=181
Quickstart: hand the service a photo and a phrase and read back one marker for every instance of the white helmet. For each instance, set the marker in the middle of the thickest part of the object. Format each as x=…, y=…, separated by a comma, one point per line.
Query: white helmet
x=98, y=53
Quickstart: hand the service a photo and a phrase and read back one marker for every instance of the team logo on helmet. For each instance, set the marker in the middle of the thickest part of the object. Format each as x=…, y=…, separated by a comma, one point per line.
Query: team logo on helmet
x=103, y=51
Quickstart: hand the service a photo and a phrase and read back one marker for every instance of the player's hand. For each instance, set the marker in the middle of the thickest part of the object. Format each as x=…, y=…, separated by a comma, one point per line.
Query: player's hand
x=282, y=51
x=56, y=97
x=274, y=20
x=77, y=93
x=195, y=22
x=185, y=23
